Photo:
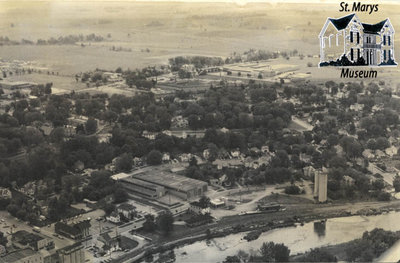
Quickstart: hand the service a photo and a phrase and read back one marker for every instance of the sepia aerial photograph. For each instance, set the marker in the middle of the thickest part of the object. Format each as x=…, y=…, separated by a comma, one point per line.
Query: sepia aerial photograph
x=228, y=131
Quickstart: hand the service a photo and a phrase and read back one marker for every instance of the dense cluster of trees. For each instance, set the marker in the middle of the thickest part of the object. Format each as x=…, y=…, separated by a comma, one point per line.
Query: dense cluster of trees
x=318, y=255
x=227, y=107
x=198, y=61
x=62, y=40
x=269, y=252
x=257, y=55
x=164, y=223
x=139, y=79
x=371, y=245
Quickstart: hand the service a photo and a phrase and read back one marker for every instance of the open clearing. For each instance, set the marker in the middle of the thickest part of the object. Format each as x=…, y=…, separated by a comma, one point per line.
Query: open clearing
x=166, y=29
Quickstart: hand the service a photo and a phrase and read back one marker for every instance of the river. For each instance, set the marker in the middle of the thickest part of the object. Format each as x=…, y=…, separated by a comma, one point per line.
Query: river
x=299, y=239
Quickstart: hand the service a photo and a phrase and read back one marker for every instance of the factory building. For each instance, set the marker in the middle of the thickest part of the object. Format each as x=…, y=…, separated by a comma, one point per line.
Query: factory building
x=136, y=186
x=155, y=185
x=181, y=186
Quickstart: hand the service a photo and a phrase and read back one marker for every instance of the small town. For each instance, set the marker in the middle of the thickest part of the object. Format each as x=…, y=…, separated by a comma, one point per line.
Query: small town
x=254, y=156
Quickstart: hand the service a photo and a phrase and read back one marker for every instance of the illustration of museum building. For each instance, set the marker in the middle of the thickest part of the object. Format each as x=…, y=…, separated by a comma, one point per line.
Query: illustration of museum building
x=361, y=43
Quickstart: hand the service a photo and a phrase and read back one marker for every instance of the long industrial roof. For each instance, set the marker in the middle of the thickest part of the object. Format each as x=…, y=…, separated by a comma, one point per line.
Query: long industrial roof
x=170, y=180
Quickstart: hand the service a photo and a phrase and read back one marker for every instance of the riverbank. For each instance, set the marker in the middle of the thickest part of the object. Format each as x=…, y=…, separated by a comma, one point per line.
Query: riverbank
x=294, y=215
x=340, y=250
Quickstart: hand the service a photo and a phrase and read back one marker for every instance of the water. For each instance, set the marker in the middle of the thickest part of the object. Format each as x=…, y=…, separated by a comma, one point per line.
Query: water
x=299, y=239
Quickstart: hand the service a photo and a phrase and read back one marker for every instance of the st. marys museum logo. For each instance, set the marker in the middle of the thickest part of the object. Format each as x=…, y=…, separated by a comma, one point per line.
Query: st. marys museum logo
x=346, y=41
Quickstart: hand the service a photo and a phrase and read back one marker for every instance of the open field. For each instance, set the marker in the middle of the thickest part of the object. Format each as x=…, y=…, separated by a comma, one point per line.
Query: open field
x=166, y=29
x=61, y=84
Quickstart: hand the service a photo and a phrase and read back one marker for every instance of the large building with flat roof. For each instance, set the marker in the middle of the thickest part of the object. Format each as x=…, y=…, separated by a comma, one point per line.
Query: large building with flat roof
x=22, y=256
x=23, y=239
x=141, y=187
x=181, y=186
x=156, y=184
x=13, y=85
x=74, y=253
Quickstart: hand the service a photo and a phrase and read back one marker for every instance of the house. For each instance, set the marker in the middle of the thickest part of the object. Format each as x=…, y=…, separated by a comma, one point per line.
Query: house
x=166, y=157
x=75, y=231
x=127, y=210
x=28, y=189
x=224, y=180
x=104, y=137
x=391, y=151
x=305, y=158
x=309, y=171
x=206, y=154
x=347, y=180
x=111, y=241
x=149, y=135
x=197, y=209
x=235, y=154
x=78, y=166
x=114, y=218
x=357, y=107
x=179, y=122
x=185, y=157
x=265, y=149
x=189, y=70
x=369, y=44
x=367, y=153
x=215, y=182
x=379, y=154
x=217, y=202
x=69, y=130
x=46, y=129
x=5, y=193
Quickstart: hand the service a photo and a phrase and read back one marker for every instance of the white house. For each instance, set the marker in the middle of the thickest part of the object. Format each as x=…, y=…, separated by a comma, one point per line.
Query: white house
x=197, y=209
x=127, y=210
x=391, y=151
x=114, y=218
x=350, y=37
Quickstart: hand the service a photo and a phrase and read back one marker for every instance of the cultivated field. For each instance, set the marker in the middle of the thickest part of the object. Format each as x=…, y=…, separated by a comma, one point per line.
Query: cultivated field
x=166, y=29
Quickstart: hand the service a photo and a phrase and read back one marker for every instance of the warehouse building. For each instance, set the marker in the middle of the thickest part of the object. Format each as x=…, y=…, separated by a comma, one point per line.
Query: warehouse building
x=141, y=187
x=157, y=184
x=181, y=186
x=14, y=85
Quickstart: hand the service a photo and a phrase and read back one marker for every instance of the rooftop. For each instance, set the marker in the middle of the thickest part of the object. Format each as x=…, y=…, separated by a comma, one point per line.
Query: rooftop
x=126, y=206
x=341, y=23
x=141, y=183
x=119, y=176
x=374, y=29
x=71, y=248
x=170, y=180
x=24, y=237
x=17, y=256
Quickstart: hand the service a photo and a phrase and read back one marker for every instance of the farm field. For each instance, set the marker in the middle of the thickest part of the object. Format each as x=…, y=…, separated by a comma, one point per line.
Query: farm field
x=154, y=33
